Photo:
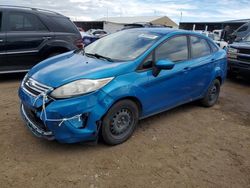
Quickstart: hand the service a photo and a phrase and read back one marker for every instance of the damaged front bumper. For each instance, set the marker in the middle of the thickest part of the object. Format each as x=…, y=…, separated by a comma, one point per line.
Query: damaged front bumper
x=67, y=120
x=36, y=127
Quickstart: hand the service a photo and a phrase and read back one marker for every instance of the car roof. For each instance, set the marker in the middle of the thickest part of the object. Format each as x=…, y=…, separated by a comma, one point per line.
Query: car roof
x=30, y=10
x=165, y=31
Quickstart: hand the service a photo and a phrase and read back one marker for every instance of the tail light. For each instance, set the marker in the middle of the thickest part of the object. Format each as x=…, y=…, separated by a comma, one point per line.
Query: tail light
x=79, y=43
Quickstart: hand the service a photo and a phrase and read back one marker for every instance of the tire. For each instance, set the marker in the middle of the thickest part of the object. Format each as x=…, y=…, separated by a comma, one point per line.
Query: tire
x=212, y=94
x=120, y=122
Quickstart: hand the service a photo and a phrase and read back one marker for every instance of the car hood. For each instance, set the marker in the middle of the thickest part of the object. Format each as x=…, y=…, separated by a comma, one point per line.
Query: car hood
x=245, y=45
x=68, y=67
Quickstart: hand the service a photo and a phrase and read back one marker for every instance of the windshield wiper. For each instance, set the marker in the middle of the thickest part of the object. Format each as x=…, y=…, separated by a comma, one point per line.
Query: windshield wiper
x=98, y=56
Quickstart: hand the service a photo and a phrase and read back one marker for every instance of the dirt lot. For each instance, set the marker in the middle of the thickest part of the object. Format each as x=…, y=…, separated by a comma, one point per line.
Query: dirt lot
x=189, y=146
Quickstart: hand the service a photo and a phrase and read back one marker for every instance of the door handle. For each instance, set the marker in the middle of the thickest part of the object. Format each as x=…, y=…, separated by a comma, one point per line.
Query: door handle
x=47, y=38
x=187, y=69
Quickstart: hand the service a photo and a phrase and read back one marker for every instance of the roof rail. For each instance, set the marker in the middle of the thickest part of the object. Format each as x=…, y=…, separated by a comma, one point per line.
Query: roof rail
x=31, y=8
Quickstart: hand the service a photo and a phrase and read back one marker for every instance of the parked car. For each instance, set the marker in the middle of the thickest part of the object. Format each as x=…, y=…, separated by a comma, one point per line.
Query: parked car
x=222, y=44
x=241, y=32
x=217, y=34
x=141, y=25
x=239, y=57
x=29, y=35
x=93, y=35
x=121, y=78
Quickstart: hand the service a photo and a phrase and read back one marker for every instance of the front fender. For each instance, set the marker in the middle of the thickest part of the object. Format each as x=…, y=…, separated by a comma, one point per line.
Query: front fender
x=128, y=86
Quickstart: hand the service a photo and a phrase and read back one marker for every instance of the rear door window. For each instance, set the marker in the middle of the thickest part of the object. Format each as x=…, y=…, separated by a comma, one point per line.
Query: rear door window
x=199, y=47
x=63, y=24
x=25, y=22
x=175, y=49
x=214, y=47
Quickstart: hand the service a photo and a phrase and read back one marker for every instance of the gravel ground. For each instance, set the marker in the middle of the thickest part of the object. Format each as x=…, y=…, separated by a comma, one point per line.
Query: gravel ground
x=189, y=146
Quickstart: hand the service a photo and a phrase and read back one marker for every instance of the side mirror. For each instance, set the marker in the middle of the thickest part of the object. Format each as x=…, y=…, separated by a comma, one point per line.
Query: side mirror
x=164, y=64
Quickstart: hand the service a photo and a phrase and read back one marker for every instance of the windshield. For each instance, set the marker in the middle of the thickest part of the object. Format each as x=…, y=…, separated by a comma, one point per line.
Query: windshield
x=247, y=39
x=123, y=45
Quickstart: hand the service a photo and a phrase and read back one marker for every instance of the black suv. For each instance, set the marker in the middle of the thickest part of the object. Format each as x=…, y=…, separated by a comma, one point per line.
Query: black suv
x=29, y=35
x=239, y=56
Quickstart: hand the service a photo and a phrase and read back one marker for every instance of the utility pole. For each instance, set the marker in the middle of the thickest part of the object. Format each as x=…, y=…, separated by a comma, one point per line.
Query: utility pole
x=180, y=18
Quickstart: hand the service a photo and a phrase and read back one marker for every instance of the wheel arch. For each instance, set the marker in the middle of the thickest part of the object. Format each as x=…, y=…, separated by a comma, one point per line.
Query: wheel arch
x=56, y=49
x=132, y=98
x=219, y=78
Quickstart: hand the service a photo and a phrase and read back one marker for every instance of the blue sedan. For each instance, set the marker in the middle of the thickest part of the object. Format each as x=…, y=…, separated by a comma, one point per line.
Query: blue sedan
x=119, y=79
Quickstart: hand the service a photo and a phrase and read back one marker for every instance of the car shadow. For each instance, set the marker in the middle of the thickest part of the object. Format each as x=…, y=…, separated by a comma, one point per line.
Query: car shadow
x=11, y=77
x=143, y=125
x=241, y=80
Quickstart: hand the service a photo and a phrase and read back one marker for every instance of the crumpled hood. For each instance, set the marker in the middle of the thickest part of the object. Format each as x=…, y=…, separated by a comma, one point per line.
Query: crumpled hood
x=239, y=45
x=67, y=67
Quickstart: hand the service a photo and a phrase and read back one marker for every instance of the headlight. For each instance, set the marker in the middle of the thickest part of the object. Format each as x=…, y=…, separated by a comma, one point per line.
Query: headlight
x=79, y=87
x=232, y=52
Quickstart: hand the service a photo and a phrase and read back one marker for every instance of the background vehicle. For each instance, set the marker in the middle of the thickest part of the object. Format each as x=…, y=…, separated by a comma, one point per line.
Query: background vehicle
x=92, y=35
x=29, y=35
x=141, y=25
x=110, y=90
x=239, y=57
x=215, y=36
x=241, y=32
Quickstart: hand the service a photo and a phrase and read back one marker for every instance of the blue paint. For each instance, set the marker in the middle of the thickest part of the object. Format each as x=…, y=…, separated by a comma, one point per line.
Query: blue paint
x=155, y=94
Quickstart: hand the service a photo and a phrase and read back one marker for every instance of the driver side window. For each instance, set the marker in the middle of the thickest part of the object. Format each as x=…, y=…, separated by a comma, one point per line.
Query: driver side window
x=175, y=49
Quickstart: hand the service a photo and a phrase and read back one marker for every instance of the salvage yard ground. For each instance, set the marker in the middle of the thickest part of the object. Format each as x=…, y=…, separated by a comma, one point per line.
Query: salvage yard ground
x=189, y=146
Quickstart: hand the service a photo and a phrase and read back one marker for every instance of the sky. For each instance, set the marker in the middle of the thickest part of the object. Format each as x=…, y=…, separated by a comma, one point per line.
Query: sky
x=192, y=10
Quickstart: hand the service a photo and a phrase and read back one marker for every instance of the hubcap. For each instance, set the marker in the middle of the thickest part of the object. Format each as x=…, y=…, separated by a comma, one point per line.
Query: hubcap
x=213, y=93
x=121, y=122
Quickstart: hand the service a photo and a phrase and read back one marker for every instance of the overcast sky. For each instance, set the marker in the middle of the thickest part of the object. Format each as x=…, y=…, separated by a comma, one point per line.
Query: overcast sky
x=192, y=10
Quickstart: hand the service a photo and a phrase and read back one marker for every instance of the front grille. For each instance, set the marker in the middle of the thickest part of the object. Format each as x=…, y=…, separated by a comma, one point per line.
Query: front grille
x=244, y=51
x=35, y=88
x=242, y=58
x=32, y=116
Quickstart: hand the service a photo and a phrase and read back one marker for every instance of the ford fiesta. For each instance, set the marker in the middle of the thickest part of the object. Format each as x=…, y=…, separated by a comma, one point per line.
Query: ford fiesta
x=119, y=79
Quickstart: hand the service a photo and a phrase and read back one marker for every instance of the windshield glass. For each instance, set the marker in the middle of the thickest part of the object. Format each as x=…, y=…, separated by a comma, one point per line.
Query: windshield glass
x=247, y=39
x=123, y=45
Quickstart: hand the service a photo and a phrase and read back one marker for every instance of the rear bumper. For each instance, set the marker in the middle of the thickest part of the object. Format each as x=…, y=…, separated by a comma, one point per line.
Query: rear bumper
x=235, y=65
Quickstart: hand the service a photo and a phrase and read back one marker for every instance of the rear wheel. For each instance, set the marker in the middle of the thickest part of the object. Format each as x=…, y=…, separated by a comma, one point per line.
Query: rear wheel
x=120, y=122
x=212, y=94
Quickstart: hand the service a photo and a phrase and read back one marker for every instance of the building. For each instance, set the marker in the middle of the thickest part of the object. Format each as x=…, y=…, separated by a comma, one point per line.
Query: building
x=86, y=25
x=234, y=24
x=113, y=24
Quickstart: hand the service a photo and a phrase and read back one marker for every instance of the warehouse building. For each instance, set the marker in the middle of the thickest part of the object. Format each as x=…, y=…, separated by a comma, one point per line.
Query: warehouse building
x=234, y=24
x=113, y=24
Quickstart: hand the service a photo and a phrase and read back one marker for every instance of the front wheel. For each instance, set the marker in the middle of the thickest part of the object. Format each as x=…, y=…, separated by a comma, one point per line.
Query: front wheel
x=212, y=94
x=120, y=122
